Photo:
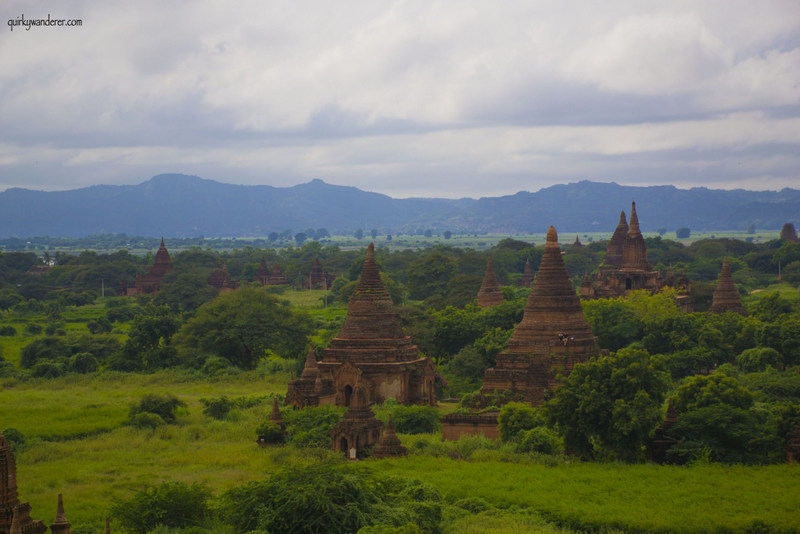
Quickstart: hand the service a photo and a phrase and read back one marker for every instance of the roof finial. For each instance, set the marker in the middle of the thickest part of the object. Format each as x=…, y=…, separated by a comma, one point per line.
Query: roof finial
x=552, y=237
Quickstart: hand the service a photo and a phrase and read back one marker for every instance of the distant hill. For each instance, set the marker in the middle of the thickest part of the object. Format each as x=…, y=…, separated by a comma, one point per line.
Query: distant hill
x=176, y=205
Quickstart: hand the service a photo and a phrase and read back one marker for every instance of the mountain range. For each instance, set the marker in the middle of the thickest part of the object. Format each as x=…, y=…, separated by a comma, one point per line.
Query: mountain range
x=177, y=205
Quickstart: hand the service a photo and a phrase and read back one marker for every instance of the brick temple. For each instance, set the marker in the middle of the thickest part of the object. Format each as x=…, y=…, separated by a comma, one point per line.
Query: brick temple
x=318, y=278
x=627, y=269
x=788, y=232
x=220, y=279
x=265, y=277
x=371, y=350
x=552, y=336
x=149, y=283
x=490, y=293
x=726, y=296
x=15, y=516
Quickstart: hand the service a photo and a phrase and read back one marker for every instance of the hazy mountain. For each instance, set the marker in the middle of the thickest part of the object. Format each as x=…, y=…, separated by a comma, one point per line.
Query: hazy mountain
x=179, y=205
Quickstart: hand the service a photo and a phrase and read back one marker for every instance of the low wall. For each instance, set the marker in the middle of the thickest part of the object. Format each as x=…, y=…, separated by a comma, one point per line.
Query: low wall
x=456, y=425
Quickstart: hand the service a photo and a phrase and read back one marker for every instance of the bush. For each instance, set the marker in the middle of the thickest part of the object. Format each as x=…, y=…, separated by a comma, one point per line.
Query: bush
x=218, y=408
x=15, y=439
x=415, y=419
x=8, y=331
x=311, y=427
x=270, y=433
x=170, y=504
x=146, y=420
x=33, y=329
x=99, y=326
x=164, y=406
x=542, y=440
x=757, y=359
x=47, y=369
x=323, y=498
x=83, y=363
x=215, y=365
x=7, y=369
x=516, y=417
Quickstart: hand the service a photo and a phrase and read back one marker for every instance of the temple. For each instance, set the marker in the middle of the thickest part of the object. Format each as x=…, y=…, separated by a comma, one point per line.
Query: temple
x=220, y=279
x=726, y=297
x=577, y=242
x=552, y=336
x=359, y=430
x=527, y=275
x=389, y=445
x=490, y=293
x=317, y=278
x=15, y=516
x=150, y=283
x=60, y=525
x=788, y=232
x=265, y=277
x=371, y=349
x=627, y=269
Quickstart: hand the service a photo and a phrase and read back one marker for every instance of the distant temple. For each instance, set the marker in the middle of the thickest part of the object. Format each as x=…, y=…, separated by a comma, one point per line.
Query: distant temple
x=150, y=283
x=490, y=293
x=15, y=516
x=726, y=297
x=527, y=275
x=219, y=279
x=317, y=278
x=577, y=242
x=359, y=429
x=626, y=267
x=265, y=277
x=371, y=351
x=788, y=232
x=551, y=338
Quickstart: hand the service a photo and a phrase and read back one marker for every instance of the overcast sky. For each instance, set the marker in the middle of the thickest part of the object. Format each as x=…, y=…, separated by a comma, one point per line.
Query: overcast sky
x=407, y=98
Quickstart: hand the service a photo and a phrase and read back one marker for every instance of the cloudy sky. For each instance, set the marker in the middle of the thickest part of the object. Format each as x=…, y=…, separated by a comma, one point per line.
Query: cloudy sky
x=408, y=98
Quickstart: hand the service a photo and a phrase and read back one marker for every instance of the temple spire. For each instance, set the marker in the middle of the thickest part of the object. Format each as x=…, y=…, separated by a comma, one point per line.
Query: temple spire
x=60, y=524
x=634, y=251
x=490, y=293
x=310, y=369
x=726, y=296
x=617, y=242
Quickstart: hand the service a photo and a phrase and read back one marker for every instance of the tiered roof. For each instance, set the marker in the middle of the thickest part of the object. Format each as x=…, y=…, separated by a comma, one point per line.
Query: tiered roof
x=617, y=242
x=726, y=297
x=527, y=274
x=634, y=251
x=490, y=293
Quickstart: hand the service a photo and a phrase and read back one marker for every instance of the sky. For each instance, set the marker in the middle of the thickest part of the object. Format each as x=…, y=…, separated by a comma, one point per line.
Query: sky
x=407, y=98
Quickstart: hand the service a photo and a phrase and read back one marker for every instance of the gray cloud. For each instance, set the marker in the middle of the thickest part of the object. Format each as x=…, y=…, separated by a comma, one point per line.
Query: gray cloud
x=410, y=98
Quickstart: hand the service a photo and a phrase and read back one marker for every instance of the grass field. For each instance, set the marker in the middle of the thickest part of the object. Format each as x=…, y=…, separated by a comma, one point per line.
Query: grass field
x=79, y=446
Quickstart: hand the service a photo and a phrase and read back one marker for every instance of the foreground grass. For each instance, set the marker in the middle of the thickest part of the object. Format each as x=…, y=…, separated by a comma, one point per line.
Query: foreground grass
x=80, y=447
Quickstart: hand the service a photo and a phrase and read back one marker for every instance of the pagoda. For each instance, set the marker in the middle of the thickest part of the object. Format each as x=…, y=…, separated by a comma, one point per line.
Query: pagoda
x=726, y=297
x=626, y=267
x=60, y=525
x=788, y=232
x=150, y=283
x=490, y=293
x=317, y=278
x=220, y=279
x=551, y=338
x=389, y=445
x=527, y=274
x=371, y=349
x=577, y=243
x=359, y=430
x=15, y=516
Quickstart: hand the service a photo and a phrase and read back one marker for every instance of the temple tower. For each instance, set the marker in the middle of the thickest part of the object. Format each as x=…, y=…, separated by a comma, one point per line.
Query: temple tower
x=490, y=293
x=788, y=232
x=370, y=349
x=527, y=274
x=60, y=524
x=389, y=444
x=634, y=250
x=552, y=336
x=14, y=515
x=358, y=430
x=616, y=243
x=726, y=297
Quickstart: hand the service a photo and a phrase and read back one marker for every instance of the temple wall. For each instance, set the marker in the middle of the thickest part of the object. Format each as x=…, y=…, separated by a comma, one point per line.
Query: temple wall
x=456, y=426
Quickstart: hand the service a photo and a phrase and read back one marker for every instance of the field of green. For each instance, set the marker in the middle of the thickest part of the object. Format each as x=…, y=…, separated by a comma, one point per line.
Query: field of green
x=78, y=445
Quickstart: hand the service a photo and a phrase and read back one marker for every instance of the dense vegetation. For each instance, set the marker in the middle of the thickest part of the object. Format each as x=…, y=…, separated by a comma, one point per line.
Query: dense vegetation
x=163, y=382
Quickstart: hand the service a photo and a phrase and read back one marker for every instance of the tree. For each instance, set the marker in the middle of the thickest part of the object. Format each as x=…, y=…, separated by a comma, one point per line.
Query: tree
x=273, y=236
x=430, y=275
x=171, y=504
x=373, y=233
x=611, y=404
x=751, y=229
x=428, y=233
x=683, y=233
x=185, y=291
x=149, y=344
x=359, y=233
x=614, y=321
x=516, y=418
x=447, y=234
x=300, y=238
x=701, y=391
x=242, y=326
x=322, y=233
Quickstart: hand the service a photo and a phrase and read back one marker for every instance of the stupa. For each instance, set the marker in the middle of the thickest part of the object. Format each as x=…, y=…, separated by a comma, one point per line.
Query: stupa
x=359, y=430
x=552, y=336
x=577, y=243
x=370, y=349
x=389, y=444
x=490, y=293
x=726, y=297
x=788, y=232
x=220, y=279
x=661, y=442
x=150, y=283
x=60, y=525
x=318, y=278
x=527, y=274
x=15, y=516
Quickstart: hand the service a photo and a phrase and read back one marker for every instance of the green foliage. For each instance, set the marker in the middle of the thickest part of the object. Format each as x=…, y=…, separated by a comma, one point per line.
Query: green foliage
x=83, y=362
x=726, y=431
x=217, y=408
x=33, y=329
x=47, y=348
x=8, y=331
x=170, y=504
x=613, y=321
x=146, y=420
x=515, y=418
x=415, y=419
x=611, y=404
x=683, y=233
x=242, y=326
x=430, y=275
x=47, y=369
x=99, y=326
x=311, y=427
x=165, y=406
x=331, y=498
x=269, y=432
x=149, y=344
x=185, y=290
x=702, y=391
x=757, y=359
x=540, y=439
x=15, y=439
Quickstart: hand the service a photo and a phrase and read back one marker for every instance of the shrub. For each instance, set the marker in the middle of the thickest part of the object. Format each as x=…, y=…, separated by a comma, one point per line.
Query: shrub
x=542, y=440
x=8, y=331
x=311, y=427
x=146, y=420
x=164, y=406
x=516, y=417
x=216, y=365
x=15, y=439
x=7, y=369
x=47, y=369
x=415, y=419
x=757, y=359
x=83, y=363
x=99, y=326
x=218, y=408
x=170, y=504
x=270, y=433
x=33, y=329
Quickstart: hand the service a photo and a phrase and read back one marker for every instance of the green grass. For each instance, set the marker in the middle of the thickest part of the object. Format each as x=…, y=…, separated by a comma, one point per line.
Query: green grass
x=107, y=460
x=786, y=291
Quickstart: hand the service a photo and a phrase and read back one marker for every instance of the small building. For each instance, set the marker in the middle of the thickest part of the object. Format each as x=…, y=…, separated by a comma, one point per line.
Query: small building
x=150, y=283
x=220, y=279
x=318, y=278
x=359, y=430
